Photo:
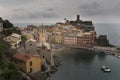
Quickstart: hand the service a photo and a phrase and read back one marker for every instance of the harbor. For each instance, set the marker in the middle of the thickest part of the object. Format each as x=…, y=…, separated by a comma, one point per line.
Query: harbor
x=85, y=63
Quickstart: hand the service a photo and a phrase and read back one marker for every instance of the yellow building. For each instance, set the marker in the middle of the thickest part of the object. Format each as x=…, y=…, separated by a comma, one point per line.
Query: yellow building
x=58, y=38
x=55, y=37
x=28, y=35
x=27, y=63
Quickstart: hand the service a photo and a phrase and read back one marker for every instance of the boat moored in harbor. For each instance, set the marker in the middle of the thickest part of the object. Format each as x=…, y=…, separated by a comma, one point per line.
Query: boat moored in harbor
x=105, y=69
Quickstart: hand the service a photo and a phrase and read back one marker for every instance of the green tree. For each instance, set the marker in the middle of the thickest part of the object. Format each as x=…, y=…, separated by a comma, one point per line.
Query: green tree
x=11, y=30
x=8, y=70
x=9, y=27
x=7, y=24
x=24, y=38
x=11, y=72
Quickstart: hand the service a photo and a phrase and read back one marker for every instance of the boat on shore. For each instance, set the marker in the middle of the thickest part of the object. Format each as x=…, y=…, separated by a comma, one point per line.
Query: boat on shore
x=105, y=69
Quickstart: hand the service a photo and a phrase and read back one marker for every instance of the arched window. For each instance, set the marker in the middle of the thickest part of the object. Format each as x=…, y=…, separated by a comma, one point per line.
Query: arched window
x=30, y=44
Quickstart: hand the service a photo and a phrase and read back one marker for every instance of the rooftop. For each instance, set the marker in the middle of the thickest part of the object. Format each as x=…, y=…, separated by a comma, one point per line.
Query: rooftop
x=32, y=40
x=71, y=34
x=24, y=57
x=39, y=44
x=15, y=35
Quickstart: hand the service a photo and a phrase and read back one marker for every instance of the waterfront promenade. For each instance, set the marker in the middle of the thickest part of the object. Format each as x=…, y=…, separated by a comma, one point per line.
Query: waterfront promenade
x=107, y=50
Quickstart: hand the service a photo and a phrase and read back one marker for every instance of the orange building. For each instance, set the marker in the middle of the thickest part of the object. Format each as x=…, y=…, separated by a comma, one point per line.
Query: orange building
x=80, y=39
x=27, y=63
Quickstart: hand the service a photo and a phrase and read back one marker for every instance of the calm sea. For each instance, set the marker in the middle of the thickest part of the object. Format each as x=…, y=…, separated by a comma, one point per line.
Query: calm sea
x=83, y=65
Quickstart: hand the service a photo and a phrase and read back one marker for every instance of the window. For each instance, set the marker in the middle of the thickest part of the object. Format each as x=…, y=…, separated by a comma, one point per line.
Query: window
x=30, y=69
x=15, y=45
x=43, y=57
x=31, y=63
x=30, y=44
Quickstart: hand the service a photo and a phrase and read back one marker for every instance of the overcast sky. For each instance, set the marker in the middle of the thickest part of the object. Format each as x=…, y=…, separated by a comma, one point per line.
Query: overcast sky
x=51, y=11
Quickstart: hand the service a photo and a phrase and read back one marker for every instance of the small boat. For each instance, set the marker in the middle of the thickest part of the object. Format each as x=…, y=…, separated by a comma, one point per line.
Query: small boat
x=118, y=56
x=105, y=69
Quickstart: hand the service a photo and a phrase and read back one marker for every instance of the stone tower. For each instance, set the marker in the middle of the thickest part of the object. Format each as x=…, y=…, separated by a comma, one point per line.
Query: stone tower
x=42, y=35
x=78, y=19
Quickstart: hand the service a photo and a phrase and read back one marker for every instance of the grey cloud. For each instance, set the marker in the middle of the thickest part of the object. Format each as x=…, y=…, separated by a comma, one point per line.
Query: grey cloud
x=22, y=13
x=99, y=9
x=14, y=2
x=50, y=9
x=18, y=10
x=49, y=15
x=56, y=9
x=91, y=9
x=36, y=15
x=93, y=5
x=92, y=13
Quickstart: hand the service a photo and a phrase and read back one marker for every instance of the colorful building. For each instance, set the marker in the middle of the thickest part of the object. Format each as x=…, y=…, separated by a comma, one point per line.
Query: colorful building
x=70, y=40
x=55, y=37
x=28, y=35
x=27, y=63
x=79, y=39
x=13, y=40
x=31, y=46
x=86, y=40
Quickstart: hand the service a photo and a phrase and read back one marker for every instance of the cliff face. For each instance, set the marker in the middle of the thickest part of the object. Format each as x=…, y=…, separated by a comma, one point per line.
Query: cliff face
x=102, y=41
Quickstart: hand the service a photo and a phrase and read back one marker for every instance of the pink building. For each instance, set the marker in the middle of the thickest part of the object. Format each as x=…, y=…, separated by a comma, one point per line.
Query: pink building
x=70, y=40
x=80, y=40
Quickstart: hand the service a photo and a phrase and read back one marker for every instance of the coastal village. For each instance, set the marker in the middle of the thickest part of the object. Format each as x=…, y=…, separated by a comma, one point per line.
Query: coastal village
x=32, y=47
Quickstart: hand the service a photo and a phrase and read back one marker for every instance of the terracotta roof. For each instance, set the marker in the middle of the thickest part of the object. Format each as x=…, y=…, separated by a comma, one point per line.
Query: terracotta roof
x=24, y=57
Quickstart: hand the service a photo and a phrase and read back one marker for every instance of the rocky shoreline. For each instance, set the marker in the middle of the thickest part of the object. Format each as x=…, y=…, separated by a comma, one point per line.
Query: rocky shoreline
x=46, y=75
